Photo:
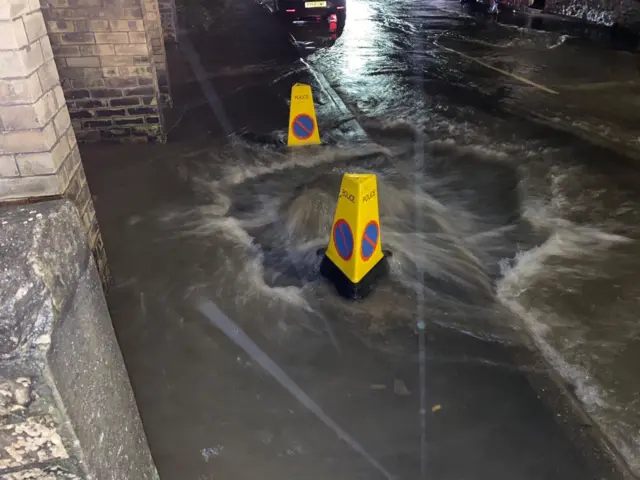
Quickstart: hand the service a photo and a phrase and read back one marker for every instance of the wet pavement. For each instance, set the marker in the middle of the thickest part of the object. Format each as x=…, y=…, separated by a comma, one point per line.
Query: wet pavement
x=509, y=229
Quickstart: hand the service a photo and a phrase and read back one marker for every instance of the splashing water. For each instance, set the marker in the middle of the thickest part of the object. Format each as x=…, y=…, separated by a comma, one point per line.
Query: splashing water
x=274, y=212
x=499, y=227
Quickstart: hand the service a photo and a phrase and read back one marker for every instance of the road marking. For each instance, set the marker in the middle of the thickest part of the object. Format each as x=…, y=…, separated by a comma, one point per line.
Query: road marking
x=481, y=42
x=499, y=70
x=217, y=318
x=606, y=85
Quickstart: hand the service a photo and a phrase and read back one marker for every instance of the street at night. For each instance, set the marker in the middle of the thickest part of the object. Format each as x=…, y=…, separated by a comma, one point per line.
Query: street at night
x=501, y=344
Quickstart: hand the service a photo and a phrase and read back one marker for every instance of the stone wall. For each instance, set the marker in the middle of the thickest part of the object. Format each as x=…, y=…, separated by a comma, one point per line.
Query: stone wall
x=624, y=13
x=620, y=13
x=67, y=410
x=39, y=155
x=154, y=28
x=169, y=18
x=104, y=53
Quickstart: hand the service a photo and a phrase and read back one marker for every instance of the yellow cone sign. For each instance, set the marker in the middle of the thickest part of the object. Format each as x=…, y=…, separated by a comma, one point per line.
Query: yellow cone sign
x=303, y=126
x=354, y=258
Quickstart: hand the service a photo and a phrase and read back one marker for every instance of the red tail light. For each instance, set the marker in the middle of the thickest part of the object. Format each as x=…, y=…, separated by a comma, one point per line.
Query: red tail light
x=333, y=22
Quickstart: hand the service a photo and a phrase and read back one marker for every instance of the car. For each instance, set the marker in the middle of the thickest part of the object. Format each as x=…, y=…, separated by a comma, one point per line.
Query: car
x=318, y=10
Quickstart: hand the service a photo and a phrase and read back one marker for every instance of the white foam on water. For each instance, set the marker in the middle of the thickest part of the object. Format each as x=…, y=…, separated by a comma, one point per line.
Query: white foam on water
x=569, y=243
x=481, y=152
x=251, y=271
x=247, y=269
x=567, y=343
x=267, y=164
x=455, y=248
x=452, y=251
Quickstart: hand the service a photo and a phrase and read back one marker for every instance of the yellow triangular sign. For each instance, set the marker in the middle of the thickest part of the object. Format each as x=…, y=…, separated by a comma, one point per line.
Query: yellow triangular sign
x=303, y=126
x=354, y=259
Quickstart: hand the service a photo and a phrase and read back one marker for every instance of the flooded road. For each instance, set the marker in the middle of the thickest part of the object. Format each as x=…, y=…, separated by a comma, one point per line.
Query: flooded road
x=503, y=230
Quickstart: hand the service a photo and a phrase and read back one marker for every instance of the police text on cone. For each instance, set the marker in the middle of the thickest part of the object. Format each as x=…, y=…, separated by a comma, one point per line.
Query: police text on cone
x=303, y=126
x=355, y=245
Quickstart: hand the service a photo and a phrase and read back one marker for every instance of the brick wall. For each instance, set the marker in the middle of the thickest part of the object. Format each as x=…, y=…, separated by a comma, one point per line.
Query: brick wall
x=624, y=13
x=103, y=50
x=169, y=19
x=153, y=25
x=39, y=155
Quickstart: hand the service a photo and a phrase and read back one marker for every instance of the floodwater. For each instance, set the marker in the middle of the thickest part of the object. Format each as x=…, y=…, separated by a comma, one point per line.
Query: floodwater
x=246, y=364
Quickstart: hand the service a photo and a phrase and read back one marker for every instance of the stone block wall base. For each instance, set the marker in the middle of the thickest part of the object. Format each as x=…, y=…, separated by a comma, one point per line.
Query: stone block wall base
x=100, y=257
x=164, y=89
x=67, y=410
x=94, y=237
x=169, y=19
x=124, y=135
x=165, y=100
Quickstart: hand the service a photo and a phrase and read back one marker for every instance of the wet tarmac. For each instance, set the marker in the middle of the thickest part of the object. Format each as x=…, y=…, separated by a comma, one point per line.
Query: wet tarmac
x=245, y=363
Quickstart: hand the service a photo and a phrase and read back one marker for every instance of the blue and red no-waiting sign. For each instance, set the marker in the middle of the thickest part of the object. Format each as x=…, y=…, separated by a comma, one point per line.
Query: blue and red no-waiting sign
x=303, y=126
x=370, y=239
x=343, y=239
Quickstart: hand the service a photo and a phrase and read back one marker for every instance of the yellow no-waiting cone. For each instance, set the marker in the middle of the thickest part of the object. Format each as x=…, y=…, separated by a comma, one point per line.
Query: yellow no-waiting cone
x=303, y=125
x=354, y=260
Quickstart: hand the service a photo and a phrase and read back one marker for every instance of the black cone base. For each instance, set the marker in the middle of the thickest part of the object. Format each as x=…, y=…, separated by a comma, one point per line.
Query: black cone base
x=348, y=289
